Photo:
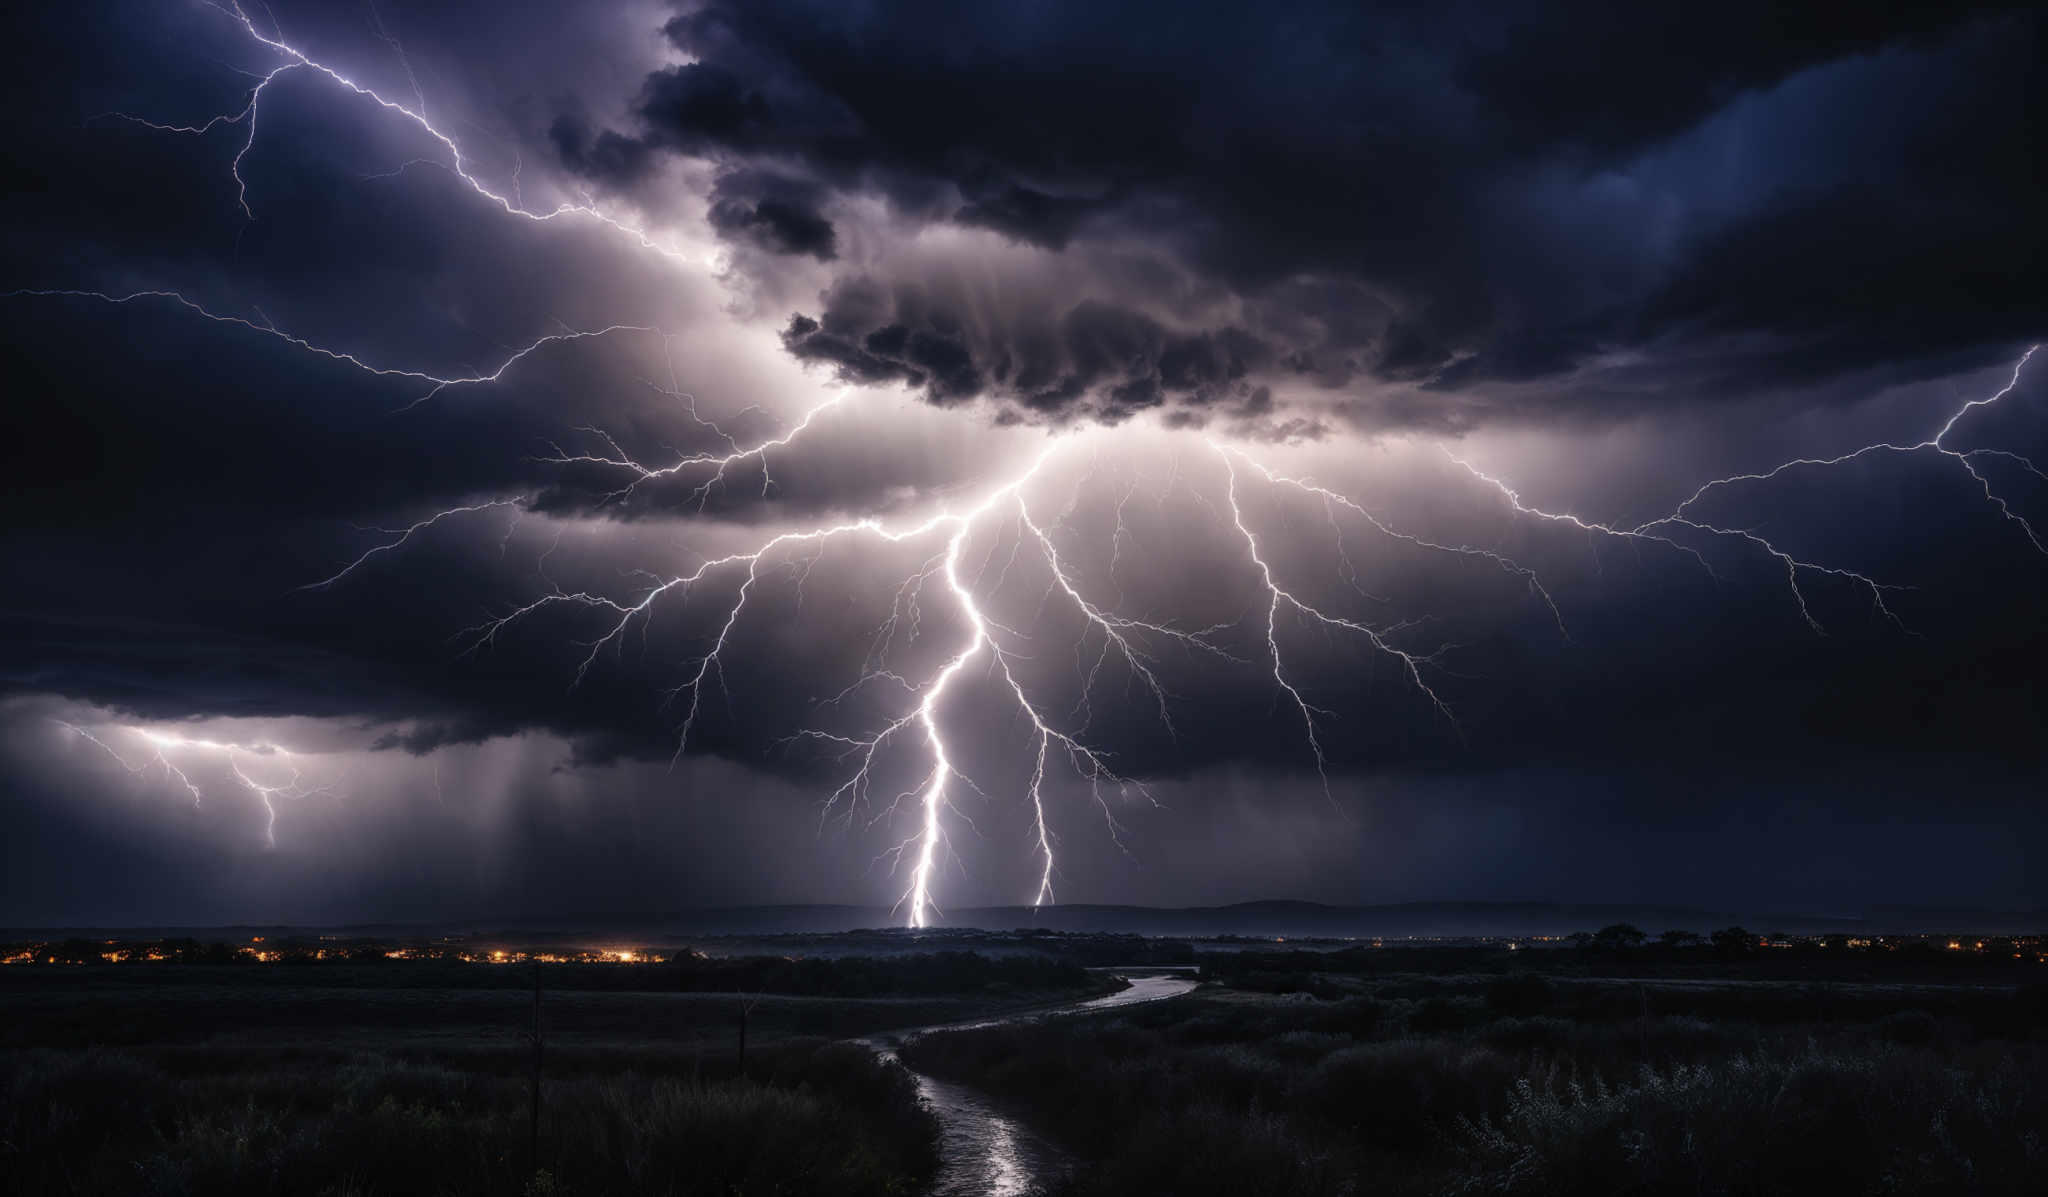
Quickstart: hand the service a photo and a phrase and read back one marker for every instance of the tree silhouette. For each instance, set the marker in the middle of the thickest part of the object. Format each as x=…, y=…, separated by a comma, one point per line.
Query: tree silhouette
x=1734, y=941
x=1619, y=936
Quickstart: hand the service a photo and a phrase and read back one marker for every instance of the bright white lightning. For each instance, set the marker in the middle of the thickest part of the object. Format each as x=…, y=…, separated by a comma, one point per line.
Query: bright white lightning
x=457, y=163
x=1117, y=631
x=293, y=786
x=1333, y=502
x=618, y=458
x=1962, y=458
x=1680, y=517
x=984, y=635
x=440, y=383
x=985, y=639
x=1276, y=595
x=401, y=535
x=157, y=759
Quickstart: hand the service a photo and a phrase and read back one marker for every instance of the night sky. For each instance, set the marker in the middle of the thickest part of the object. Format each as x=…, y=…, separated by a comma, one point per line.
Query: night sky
x=1287, y=432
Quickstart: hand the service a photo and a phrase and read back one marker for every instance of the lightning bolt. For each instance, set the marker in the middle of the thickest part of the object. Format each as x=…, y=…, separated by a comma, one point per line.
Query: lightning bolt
x=985, y=636
x=1278, y=596
x=619, y=459
x=941, y=541
x=265, y=328
x=1681, y=516
x=157, y=759
x=1934, y=443
x=297, y=60
x=294, y=786
x=1333, y=502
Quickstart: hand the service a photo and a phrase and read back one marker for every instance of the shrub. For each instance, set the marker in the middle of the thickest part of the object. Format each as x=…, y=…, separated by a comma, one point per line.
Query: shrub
x=1812, y=1122
x=818, y=1118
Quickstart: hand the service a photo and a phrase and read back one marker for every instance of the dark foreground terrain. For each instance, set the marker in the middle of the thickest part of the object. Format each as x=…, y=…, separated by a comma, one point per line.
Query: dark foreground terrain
x=416, y=1076
x=1643, y=1071
x=1612, y=1066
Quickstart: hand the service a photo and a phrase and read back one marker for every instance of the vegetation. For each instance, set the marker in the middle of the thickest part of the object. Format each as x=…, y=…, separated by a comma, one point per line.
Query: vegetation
x=1522, y=1083
x=807, y=1118
x=1627, y=1064
x=408, y=1076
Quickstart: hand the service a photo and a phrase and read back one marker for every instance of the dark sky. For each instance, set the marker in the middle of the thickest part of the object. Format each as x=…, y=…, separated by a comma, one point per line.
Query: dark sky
x=1196, y=394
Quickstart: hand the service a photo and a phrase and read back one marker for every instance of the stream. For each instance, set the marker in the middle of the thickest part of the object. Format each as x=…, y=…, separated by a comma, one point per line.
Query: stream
x=983, y=1148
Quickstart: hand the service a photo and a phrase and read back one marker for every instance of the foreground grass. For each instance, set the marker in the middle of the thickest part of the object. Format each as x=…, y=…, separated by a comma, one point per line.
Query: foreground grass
x=1449, y=1085
x=413, y=1077
x=805, y=1118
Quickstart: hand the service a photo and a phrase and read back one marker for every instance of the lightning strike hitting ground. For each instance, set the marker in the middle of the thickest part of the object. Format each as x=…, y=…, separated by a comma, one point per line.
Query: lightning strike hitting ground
x=984, y=635
x=940, y=542
x=1119, y=634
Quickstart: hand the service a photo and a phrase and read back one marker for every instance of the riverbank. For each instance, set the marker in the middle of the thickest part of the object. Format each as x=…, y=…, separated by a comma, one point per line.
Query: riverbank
x=401, y=1077
x=1490, y=1078
x=987, y=1148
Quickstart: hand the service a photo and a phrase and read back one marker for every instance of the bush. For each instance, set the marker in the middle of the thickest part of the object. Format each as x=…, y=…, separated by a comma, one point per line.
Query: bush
x=1812, y=1122
x=815, y=1119
x=1236, y=1094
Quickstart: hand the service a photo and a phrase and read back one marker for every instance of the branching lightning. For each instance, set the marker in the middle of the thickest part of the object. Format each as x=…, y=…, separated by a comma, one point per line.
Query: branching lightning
x=1680, y=517
x=987, y=648
x=1130, y=640
x=457, y=164
x=239, y=758
x=1278, y=596
x=155, y=760
x=440, y=383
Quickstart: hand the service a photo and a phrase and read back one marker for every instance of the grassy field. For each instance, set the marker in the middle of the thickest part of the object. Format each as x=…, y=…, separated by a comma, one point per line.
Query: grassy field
x=1332, y=1072
x=807, y=1117
x=404, y=1078
x=1279, y=1079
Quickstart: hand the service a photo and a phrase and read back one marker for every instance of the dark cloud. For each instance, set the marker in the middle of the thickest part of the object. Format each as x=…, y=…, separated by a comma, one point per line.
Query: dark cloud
x=1461, y=220
x=923, y=357
x=1115, y=359
x=1457, y=194
x=773, y=213
x=604, y=155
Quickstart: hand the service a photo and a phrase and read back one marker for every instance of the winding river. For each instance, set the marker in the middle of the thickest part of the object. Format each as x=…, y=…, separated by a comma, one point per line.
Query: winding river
x=983, y=1148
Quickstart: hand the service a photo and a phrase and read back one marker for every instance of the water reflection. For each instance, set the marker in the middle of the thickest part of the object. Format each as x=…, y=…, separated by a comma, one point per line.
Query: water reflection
x=983, y=1150
x=1143, y=989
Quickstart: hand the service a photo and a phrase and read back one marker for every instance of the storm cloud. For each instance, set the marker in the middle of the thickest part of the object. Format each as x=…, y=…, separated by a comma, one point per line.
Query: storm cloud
x=1444, y=195
x=1110, y=292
